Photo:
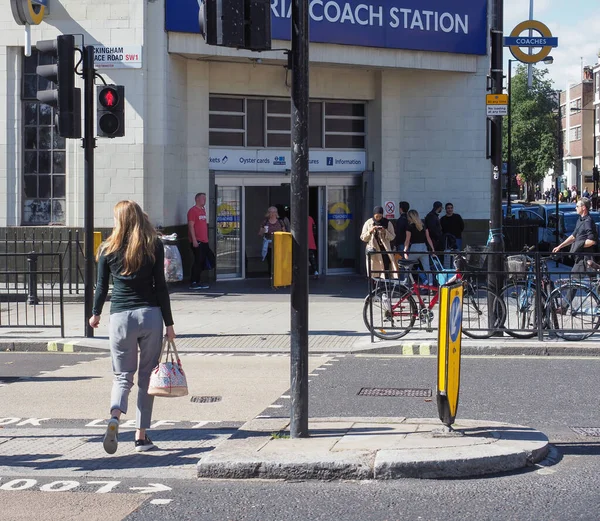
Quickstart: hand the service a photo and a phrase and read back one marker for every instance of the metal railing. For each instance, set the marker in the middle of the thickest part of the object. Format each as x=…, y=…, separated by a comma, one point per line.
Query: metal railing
x=539, y=295
x=31, y=291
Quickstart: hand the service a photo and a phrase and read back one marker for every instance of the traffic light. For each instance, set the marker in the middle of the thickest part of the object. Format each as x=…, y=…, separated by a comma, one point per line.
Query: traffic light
x=63, y=96
x=595, y=174
x=110, y=111
x=241, y=24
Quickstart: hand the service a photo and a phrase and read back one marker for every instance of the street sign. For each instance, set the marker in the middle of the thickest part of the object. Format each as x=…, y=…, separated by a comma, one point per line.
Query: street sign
x=545, y=41
x=449, y=345
x=390, y=209
x=496, y=104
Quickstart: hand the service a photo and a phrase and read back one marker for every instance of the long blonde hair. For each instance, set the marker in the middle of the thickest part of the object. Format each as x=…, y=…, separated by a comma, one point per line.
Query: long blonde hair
x=133, y=235
x=413, y=218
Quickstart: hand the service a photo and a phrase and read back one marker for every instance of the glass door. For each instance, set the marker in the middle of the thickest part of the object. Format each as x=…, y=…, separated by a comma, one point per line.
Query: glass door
x=342, y=228
x=229, y=232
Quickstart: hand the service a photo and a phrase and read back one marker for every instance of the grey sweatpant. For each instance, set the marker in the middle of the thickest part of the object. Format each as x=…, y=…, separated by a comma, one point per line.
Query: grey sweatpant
x=127, y=330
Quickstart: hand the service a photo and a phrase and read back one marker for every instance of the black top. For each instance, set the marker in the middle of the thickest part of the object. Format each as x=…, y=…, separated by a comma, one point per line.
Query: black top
x=416, y=236
x=145, y=288
x=401, y=227
x=584, y=229
x=453, y=224
x=432, y=222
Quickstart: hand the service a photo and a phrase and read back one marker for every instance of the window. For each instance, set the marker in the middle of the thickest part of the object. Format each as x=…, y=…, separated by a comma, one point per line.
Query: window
x=240, y=122
x=44, y=155
x=575, y=106
x=575, y=133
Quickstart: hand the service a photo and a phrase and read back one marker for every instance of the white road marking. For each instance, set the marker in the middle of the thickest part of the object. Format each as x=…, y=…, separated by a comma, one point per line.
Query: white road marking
x=160, y=501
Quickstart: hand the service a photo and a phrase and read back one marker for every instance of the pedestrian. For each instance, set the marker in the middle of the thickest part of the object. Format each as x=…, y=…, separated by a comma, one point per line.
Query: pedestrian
x=417, y=239
x=583, y=239
x=453, y=224
x=134, y=256
x=432, y=223
x=312, y=248
x=378, y=233
x=272, y=223
x=198, y=236
x=401, y=225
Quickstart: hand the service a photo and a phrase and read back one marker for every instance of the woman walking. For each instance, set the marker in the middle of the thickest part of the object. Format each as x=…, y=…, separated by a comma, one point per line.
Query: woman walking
x=417, y=238
x=134, y=256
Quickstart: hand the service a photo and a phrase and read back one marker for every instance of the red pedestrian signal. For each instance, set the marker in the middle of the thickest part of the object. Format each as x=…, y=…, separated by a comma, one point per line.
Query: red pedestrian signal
x=111, y=111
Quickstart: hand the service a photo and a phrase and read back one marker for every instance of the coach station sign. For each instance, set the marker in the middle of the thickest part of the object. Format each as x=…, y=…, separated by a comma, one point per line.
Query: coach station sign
x=28, y=12
x=458, y=27
x=544, y=41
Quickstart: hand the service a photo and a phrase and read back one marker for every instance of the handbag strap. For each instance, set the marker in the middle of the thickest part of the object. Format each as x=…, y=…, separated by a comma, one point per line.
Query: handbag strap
x=169, y=345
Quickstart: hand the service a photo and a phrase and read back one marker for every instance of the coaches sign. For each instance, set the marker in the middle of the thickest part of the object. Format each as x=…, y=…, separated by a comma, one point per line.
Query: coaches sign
x=422, y=25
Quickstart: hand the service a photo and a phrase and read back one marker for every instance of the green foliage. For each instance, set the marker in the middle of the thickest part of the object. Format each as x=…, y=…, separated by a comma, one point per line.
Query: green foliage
x=534, y=125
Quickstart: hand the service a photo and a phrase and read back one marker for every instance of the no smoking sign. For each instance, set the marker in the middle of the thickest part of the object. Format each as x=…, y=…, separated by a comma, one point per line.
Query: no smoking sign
x=390, y=209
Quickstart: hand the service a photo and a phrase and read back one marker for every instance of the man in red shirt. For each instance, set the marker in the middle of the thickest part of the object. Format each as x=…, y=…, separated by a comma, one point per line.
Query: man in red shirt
x=198, y=235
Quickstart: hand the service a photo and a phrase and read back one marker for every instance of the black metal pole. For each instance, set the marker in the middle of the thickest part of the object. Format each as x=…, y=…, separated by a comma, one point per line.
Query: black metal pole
x=88, y=183
x=509, y=144
x=299, y=187
x=496, y=242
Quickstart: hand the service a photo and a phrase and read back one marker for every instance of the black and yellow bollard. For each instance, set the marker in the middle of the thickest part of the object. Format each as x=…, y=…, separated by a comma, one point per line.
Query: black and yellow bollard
x=282, y=259
x=449, y=342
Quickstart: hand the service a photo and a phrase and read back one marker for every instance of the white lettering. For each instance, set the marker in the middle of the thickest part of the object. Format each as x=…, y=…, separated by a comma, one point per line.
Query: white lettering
x=163, y=422
x=416, y=21
x=447, y=28
x=347, y=14
x=427, y=15
x=14, y=484
x=108, y=486
x=8, y=421
x=378, y=14
x=199, y=424
x=274, y=4
x=131, y=423
x=96, y=423
x=359, y=8
x=59, y=486
x=405, y=12
x=311, y=12
x=32, y=421
x=395, y=20
x=336, y=9
x=463, y=23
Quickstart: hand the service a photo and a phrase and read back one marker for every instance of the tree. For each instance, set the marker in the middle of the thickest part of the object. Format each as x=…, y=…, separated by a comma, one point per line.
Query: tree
x=534, y=127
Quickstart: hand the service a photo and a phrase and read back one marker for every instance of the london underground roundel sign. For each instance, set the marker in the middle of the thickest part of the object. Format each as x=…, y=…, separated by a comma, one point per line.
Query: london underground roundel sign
x=545, y=41
x=28, y=12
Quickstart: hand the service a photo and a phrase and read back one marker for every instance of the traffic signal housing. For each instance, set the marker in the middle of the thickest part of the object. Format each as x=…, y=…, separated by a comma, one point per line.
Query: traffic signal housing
x=595, y=174
x=62, y=96
x=241, y=24
x=110, y=111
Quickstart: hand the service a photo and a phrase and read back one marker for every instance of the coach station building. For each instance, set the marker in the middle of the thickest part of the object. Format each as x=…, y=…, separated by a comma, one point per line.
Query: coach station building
x=397, y=112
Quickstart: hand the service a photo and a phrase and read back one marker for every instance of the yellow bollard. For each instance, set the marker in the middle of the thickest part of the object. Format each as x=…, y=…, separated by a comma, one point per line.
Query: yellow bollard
x=282, y=259
x=97, y=242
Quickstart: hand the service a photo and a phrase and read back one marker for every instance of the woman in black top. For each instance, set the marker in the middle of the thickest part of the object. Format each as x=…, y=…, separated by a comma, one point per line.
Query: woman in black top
x=417, y=238
x=134, y=256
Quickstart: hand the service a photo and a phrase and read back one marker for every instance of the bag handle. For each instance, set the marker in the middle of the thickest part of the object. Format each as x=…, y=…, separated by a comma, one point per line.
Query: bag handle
x=169, y=344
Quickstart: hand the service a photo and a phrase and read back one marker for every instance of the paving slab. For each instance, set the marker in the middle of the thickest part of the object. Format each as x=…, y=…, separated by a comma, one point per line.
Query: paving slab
x=374, y=448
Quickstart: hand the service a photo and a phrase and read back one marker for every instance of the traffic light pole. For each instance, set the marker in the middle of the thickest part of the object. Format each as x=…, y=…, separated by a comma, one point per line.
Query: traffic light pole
x=89, y=143
x=299, y=187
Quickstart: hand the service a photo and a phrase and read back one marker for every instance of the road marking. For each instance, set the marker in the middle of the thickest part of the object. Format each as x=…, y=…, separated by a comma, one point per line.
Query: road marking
x=285, y=396
x=275, y=406
x=313, y=374
x=152, y=488
x=321, y=369
x=160, y=501
x=67, y=485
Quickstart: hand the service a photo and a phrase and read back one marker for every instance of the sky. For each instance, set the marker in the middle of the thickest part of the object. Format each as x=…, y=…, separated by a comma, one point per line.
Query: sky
x=576, y=23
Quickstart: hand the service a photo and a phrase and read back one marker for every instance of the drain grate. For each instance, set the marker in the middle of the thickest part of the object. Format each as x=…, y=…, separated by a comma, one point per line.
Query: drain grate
x=392, y=391
x=205, y=399
x=587, y=431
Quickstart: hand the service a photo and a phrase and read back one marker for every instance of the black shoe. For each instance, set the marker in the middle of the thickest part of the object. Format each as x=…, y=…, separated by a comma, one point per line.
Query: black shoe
x=111, y=437
x=144, y=445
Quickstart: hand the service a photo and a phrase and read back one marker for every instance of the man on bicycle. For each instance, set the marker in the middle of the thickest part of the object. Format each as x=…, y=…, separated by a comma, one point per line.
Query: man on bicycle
x=584, y=239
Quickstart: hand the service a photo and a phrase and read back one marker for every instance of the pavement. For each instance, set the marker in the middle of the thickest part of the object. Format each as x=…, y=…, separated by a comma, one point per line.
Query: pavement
x=236, y=334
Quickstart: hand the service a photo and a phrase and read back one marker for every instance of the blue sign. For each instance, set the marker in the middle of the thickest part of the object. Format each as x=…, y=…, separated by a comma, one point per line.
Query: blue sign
x=458, y=27
x=526, y=41
x=455, y=318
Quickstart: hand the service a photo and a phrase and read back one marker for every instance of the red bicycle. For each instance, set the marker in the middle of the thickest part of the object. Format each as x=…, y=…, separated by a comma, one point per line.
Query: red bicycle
x=392, y=308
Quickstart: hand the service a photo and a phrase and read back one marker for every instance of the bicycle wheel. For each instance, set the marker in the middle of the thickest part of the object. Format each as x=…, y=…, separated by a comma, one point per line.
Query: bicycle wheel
x=477, y=320
x=573, y=311
x=394, y=312
x=519, y=299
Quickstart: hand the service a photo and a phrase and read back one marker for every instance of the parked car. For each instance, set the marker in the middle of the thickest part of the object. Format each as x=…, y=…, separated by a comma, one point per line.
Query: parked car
x=566, y=225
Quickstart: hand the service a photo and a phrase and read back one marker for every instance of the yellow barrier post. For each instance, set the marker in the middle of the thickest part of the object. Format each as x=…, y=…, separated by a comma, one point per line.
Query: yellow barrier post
x=449, y=342
x=97, y=242
x=282, y=259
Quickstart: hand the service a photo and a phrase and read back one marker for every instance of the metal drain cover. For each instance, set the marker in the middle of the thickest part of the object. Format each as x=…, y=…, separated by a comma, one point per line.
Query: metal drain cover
x=392, y=391
x=587, y=431
x=205, y=399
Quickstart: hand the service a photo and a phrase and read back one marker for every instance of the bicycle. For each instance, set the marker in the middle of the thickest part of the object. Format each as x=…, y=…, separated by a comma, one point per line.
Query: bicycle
x=394, y=310
x=521, y=300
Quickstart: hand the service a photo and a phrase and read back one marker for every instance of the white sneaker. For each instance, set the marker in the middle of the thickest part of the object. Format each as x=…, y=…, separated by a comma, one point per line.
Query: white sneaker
x=111, y=437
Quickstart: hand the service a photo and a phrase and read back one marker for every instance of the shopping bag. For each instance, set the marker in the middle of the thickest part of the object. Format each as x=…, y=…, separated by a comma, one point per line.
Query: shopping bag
x=173, y=263
x=167, y=378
